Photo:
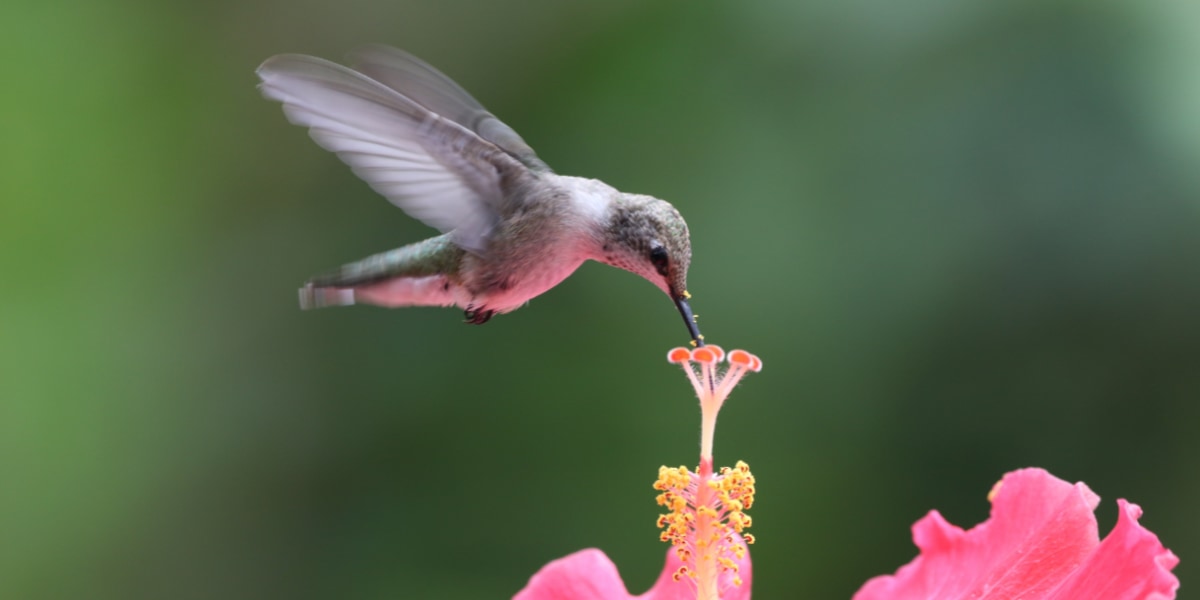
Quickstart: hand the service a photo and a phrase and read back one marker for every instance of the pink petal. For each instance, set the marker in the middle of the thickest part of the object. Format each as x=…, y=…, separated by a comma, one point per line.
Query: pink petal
x=1040, y=532
x=1130, y=564
x=590, y=575
x=584, y=575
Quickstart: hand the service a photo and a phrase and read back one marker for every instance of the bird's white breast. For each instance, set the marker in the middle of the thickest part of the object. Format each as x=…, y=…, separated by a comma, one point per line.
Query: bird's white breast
x=576, y=242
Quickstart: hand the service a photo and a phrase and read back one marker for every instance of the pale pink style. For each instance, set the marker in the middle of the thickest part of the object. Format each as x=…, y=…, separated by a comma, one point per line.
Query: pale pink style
x=1040, y=543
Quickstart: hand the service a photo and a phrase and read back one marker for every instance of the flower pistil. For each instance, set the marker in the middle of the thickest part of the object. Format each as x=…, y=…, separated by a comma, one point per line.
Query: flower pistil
x=706, y=519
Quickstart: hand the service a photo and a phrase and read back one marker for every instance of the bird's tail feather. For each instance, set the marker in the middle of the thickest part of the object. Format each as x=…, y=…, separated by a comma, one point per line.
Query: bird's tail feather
x=319, y=297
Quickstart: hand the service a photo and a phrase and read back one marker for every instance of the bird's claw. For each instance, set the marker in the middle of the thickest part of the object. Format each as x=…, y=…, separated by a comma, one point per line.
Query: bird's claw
x=478, y=316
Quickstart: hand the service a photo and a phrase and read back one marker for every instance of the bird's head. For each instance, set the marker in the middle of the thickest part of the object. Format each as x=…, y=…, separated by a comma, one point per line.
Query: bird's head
x=647, y=236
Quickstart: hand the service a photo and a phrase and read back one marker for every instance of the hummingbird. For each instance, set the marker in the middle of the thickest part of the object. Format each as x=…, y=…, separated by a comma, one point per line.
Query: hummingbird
x=511, y=228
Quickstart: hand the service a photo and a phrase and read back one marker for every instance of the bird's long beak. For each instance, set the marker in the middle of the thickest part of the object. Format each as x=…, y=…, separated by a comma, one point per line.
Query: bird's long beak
x=690, y=320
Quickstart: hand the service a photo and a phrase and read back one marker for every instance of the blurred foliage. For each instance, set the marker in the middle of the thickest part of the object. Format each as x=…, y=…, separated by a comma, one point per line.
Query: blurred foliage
x=964, y=237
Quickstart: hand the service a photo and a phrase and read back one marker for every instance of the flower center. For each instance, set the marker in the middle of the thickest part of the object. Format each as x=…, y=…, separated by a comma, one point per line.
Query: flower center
x=706, y=521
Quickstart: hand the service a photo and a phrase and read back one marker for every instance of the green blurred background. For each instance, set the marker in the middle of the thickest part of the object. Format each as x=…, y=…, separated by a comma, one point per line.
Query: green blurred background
x=963, y=236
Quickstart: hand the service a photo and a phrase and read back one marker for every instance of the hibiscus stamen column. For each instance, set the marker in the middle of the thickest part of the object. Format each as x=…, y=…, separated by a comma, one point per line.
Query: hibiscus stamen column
x=706, y=517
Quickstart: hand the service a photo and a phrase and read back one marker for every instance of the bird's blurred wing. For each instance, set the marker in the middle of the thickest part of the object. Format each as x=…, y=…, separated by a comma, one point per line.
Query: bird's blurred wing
x=432, y=167
x=432, y=89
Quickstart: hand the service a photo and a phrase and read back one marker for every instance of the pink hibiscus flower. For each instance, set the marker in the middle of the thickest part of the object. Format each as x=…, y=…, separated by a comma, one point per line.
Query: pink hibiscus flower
x=1040, y=543
x=706, y=519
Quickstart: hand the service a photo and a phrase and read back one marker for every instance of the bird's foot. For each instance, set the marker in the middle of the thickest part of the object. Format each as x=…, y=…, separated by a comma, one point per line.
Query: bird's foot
x=478, y=316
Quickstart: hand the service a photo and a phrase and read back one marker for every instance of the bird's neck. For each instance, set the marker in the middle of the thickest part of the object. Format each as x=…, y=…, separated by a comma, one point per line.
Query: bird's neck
x=592, y=208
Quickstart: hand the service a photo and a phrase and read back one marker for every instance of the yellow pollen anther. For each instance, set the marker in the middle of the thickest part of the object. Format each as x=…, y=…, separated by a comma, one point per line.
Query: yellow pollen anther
x=706, y=517
x=995, y=490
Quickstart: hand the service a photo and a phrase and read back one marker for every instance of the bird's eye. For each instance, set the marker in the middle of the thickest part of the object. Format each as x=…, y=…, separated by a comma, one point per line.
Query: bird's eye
x=658, y=258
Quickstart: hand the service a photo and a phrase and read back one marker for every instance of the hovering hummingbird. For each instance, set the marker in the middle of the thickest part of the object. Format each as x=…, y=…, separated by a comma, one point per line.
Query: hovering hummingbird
x=511, y=227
